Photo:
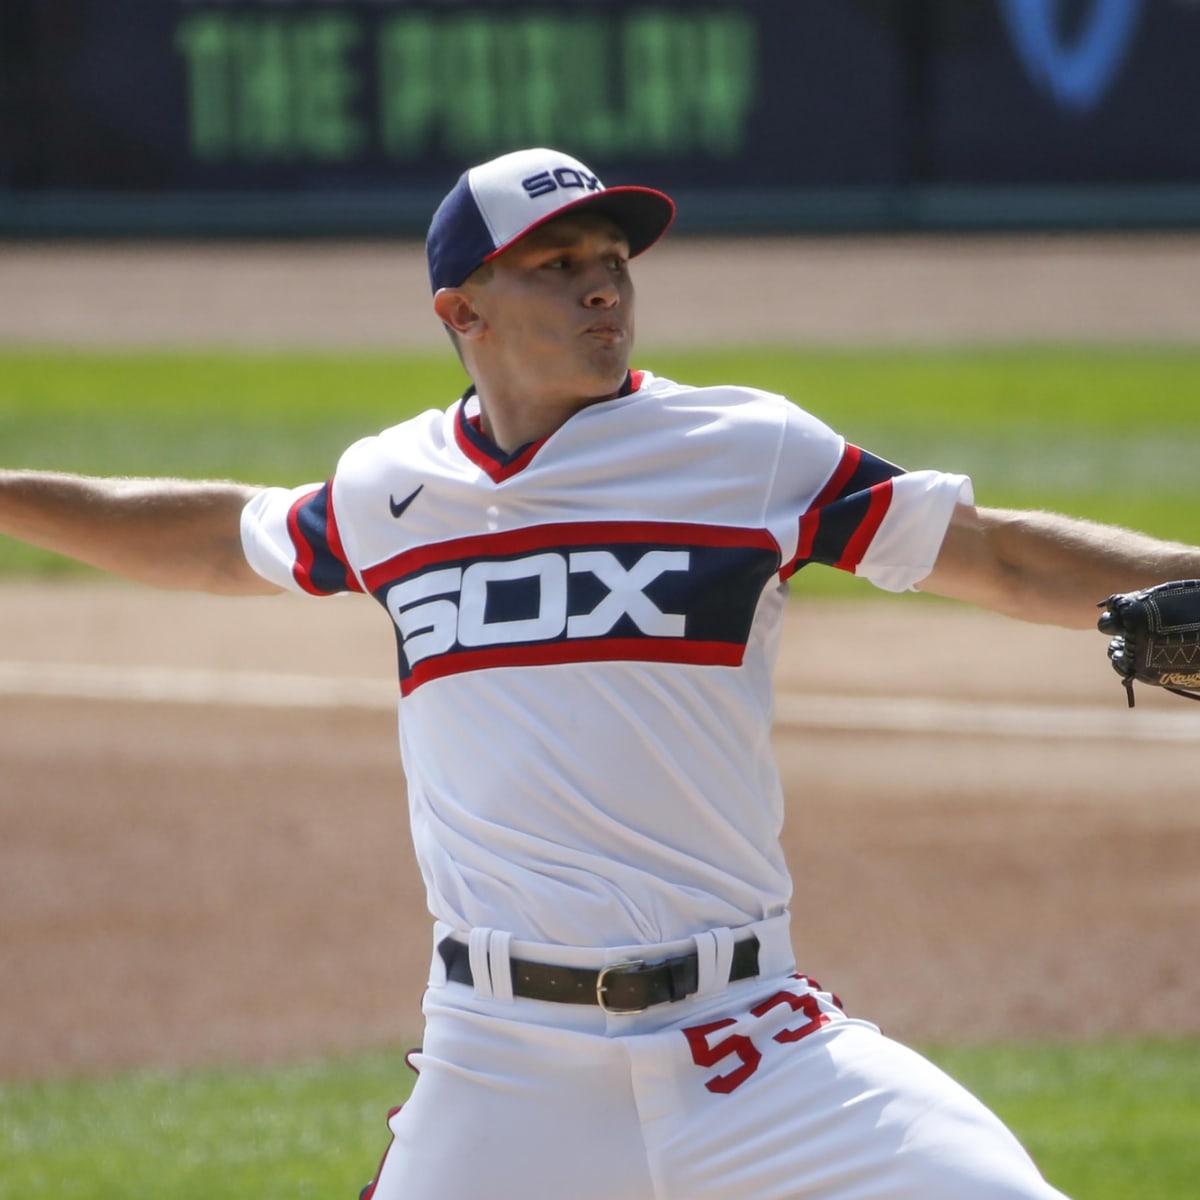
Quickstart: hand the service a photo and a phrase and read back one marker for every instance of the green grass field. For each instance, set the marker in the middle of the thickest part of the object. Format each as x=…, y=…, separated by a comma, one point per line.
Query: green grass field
x=1111, y=434
x=1105, y=1122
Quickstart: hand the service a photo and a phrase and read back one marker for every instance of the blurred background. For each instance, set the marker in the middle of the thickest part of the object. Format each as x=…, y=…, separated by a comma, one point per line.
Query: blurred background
x=352, y=117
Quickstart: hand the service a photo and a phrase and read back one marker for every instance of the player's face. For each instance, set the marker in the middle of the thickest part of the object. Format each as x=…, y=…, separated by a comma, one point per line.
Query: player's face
x=558, y=311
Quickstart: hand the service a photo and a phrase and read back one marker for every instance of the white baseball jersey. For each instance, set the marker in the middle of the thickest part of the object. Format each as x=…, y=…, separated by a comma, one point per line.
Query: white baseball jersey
x=587, y=630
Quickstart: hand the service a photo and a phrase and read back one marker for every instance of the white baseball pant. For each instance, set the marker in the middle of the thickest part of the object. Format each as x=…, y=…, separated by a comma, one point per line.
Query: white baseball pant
x=758, y=1090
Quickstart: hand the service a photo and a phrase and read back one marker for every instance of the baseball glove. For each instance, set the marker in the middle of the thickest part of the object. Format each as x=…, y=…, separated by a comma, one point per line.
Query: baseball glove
x=1157, y=637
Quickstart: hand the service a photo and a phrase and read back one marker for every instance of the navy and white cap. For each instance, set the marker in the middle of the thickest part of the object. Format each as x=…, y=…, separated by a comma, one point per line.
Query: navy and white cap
x=496, y=203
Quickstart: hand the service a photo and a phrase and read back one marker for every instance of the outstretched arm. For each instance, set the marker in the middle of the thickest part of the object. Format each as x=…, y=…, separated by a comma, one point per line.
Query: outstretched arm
x=1049, y=568
x=170, y=533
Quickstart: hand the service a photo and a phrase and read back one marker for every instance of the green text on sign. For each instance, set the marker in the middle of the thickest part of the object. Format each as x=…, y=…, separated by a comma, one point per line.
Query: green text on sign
x=337, y=86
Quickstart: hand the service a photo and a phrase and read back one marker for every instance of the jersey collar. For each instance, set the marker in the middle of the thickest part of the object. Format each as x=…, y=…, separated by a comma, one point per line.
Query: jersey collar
x=486, y=455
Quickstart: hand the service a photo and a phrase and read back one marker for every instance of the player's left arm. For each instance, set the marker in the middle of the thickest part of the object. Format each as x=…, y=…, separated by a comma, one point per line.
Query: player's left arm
x=1048, y=568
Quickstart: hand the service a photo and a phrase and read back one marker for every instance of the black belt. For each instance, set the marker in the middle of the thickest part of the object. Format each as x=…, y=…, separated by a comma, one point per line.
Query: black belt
x=621, y=987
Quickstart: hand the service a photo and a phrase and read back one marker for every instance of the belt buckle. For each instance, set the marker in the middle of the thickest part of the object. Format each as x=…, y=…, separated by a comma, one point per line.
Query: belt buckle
x=625, y=968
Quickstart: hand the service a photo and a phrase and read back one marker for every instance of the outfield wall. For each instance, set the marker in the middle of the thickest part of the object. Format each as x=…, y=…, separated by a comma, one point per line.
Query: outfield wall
x=351, y=117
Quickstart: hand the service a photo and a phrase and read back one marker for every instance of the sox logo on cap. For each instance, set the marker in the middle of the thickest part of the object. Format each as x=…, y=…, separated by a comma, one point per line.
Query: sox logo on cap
x=494, y=204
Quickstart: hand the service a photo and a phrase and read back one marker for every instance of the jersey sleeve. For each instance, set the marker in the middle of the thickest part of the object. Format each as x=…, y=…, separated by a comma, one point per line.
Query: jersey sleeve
x=291, y=538
x=866, y=516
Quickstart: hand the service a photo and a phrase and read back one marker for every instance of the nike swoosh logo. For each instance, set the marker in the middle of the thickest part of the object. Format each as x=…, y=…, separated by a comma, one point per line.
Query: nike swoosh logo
x=398, y=507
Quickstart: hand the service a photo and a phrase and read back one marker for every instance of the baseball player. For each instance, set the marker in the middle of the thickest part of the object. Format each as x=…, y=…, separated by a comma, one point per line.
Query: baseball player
x=587, y=566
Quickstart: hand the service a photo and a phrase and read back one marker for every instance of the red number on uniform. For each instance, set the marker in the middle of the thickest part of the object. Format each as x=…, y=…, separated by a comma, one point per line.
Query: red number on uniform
x=807, y=1004
x=704, y=1055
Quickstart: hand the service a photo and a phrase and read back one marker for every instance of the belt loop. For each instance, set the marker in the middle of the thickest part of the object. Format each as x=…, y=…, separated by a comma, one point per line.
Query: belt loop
x=500, y=963
x=481, y=970
x=714, y=952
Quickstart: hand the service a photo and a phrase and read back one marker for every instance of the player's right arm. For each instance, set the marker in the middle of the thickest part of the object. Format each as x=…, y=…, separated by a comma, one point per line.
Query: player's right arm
x=168, y=533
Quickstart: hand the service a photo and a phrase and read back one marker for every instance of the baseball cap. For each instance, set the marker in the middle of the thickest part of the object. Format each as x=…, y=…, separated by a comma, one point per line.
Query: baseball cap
x=497, y=202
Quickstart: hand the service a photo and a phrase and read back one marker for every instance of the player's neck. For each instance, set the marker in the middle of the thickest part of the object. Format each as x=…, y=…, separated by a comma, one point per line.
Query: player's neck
x=511, y=425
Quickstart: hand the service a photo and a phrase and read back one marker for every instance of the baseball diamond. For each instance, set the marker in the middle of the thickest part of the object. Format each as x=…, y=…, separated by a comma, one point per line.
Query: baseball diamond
x=621, y=824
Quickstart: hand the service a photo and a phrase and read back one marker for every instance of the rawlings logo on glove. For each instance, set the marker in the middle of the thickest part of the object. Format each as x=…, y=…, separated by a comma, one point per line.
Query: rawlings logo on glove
x=1157, y=637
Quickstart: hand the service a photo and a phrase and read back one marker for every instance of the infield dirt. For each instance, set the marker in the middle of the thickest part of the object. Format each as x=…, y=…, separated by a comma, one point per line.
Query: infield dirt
x=186, y=882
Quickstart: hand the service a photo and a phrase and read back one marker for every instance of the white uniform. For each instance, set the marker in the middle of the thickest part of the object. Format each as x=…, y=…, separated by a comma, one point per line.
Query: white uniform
x=587, y=631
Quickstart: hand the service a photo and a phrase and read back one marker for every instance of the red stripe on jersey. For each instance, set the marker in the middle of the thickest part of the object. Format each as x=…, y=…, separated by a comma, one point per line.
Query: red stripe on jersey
x=514, y=465
x=856, y=547
x=302, y=567
x=474, y=453
x=498, y=469
x=851, y=457
x=810, y=522
x=702, y=654
x=306, y=556
x=491, y=460
x=556, y=537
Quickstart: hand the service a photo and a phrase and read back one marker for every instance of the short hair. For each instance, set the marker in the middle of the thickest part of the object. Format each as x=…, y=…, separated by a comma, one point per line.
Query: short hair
x=482, y=273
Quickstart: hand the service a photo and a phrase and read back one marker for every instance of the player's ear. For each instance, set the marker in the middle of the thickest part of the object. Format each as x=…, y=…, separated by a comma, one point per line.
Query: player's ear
x=457, y=312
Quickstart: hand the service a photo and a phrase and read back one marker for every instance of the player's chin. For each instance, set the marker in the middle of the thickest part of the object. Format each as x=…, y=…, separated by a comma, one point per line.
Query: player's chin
x=608, y=364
